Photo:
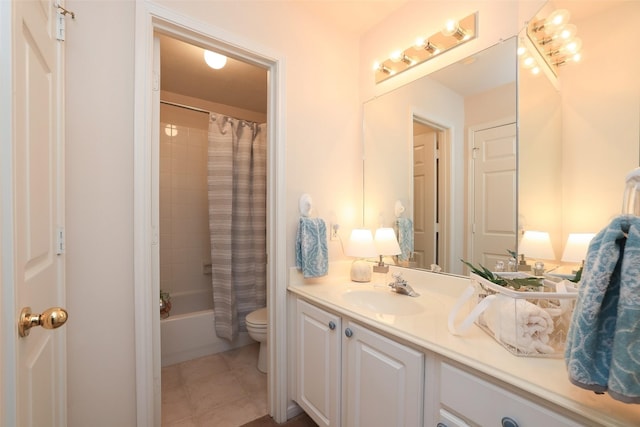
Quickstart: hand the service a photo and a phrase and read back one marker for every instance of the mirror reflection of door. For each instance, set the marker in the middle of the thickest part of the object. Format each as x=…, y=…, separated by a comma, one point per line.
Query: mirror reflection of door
x=427, y=173
x=494, y=194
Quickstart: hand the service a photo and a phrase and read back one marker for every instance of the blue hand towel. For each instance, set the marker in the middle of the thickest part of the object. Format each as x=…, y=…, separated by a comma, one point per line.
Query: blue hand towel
x=311, y=248
x=405, y=238
x=602, y=349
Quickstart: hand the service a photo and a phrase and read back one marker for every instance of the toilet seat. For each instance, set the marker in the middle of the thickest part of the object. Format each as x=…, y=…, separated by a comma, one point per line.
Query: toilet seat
x=257, y=319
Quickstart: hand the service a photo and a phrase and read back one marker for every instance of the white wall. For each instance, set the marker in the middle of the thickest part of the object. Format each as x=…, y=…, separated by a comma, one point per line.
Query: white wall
x=99, y=168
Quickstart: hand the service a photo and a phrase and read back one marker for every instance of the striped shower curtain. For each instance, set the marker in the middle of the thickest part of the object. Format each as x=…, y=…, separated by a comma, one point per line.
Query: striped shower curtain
x=236, y=181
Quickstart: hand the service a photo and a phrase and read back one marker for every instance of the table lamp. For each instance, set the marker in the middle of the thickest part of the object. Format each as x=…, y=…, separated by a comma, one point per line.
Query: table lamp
x=386, y=244
x=535, y=245
x=361, y=245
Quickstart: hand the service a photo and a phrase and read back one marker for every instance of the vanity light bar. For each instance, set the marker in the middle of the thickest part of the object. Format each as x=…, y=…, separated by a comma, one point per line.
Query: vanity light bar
x=454, y=34
x=554, y=38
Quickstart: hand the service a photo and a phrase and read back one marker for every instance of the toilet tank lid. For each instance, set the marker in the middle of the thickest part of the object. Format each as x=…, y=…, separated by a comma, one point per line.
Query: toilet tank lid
x=258, y=317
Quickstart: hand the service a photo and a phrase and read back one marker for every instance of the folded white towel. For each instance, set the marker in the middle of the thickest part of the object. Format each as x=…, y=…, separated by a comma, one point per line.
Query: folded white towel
x=520, y=324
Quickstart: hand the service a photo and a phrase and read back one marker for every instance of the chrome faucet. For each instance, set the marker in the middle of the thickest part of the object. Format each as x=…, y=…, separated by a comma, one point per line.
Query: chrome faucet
x=400, y=286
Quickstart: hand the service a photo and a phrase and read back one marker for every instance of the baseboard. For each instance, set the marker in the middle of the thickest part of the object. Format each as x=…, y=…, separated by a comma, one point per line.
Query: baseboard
x=293, y=410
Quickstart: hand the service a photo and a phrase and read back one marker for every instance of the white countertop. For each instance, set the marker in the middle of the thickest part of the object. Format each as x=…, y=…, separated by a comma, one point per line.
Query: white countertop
x=426, y=327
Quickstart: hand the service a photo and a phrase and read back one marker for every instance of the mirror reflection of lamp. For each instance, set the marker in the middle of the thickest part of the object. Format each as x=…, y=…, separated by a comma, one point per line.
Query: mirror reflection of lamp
x=576, y=248
x=535, y=245
x=361, y=246
x=386, y=245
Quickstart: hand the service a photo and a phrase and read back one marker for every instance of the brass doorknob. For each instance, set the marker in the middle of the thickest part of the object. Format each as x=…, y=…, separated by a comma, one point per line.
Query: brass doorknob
x=50, y=319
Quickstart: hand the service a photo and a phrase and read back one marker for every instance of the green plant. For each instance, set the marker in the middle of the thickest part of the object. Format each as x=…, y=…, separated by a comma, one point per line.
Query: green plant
x=578, y=275
x=515, y=283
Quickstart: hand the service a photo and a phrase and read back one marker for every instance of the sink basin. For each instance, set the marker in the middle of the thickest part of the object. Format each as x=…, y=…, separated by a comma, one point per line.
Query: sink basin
x=383, y=302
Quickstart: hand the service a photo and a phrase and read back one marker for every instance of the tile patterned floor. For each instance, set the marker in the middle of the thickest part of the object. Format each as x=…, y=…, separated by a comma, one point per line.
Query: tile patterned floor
x=221, y=390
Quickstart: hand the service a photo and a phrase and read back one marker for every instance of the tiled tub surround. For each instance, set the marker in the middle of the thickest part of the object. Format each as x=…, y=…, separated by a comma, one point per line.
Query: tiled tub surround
x=540, y=380
x=184, y=226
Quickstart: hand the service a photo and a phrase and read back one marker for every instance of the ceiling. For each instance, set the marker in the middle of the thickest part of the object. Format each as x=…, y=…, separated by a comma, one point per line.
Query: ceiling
x=243, y=85
x=481, y=71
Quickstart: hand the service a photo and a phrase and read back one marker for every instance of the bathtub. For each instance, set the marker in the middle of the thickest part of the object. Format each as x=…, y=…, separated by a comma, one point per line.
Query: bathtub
x=189, y=332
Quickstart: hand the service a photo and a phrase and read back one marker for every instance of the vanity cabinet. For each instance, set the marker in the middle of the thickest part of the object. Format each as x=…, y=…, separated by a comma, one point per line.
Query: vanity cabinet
x=484, y=403
x=348, y=374
x=318, y=360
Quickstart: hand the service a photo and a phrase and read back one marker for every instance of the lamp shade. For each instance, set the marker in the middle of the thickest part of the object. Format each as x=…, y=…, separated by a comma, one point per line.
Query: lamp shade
x=536, y=244
x=361, y=244
x=576, y=248
x=386, y=242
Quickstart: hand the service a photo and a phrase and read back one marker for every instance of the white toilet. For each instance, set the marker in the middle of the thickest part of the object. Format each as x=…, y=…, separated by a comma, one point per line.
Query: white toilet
x=257, y=328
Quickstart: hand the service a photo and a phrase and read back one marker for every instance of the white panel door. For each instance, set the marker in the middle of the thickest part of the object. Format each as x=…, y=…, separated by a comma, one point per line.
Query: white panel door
x=425, y=194
x=494, y=188
x=38, y=268
x=318, y=361
x=383, y=380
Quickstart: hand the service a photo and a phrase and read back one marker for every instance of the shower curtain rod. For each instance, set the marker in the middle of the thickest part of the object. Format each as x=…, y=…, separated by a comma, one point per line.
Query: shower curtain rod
x=188, y=107
x=200, y=110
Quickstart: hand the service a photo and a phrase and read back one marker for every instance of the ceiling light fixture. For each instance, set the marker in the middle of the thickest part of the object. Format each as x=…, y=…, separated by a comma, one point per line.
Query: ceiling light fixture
x=214, y=60
x=425, y=48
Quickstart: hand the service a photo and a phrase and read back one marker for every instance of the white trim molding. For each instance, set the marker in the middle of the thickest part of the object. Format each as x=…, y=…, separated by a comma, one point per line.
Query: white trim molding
x=150, y=18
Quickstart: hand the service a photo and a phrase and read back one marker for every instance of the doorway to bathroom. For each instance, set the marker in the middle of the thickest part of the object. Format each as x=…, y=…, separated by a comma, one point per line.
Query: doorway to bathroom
x=430, y=178
x=201, y=106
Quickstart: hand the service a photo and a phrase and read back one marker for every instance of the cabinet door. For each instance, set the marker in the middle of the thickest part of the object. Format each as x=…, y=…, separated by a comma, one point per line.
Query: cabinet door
x=318, y=364
x=383, y=380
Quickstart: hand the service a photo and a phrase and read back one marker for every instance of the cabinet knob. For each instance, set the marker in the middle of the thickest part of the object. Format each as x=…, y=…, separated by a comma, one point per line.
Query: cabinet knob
x=332, y=325
x=509, y=422
x=348, y=332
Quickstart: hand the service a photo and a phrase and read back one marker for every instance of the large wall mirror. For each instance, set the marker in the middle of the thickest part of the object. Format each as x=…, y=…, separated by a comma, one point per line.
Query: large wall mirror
x=420, y=141
x=578, y=137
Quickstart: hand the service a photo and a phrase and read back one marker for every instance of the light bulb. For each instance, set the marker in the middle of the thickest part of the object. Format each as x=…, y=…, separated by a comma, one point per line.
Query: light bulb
x=396, y=56
x=450, y=27
x=574, y=45
x=528, y=62
x=380, y=67
x=521, y=50
x=535, y=70
x=214, y=60
x=401, y=57
x=568, y=32
x=557, y=20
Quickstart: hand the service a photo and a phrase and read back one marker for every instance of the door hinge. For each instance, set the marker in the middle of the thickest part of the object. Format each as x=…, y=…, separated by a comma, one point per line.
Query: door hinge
x=156, y=82
x=61, y=13
x=60, y=26
x=60, y=241
x=474, y=152
x=473, y=228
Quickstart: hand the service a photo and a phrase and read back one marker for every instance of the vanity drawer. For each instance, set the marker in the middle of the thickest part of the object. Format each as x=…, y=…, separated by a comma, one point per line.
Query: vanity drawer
x=486, y=404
